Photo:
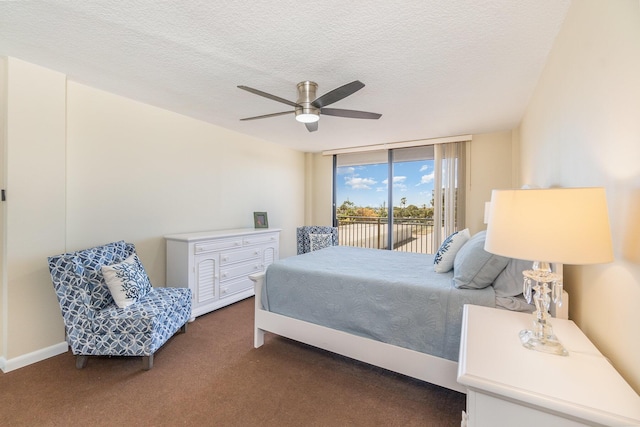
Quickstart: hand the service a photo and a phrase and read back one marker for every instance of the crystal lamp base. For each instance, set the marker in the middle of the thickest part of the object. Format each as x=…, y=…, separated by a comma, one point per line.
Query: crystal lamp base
x=549, y=344
x=542, y=282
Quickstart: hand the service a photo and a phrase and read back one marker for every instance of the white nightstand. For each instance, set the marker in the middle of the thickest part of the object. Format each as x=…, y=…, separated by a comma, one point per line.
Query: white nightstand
x=509, y=385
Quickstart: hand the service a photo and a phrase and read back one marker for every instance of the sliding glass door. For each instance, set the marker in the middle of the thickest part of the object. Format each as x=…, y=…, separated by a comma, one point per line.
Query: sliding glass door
x=361, y=195
x=412, y=195
x=407, y=199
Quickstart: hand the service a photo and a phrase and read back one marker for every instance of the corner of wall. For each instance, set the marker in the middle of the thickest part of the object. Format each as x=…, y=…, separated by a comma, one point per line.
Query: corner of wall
x=489, y=166
x=515, y=158
x=321, y=191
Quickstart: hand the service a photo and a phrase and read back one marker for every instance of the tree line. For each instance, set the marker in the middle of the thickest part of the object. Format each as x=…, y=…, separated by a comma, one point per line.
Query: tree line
x=349, y=209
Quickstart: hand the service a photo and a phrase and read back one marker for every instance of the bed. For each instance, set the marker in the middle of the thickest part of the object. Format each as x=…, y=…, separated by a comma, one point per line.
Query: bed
x=389, y=309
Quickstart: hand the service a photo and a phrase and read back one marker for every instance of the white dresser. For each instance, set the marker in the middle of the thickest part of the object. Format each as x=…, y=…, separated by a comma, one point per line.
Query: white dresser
x=509, y=385
x=216, y=264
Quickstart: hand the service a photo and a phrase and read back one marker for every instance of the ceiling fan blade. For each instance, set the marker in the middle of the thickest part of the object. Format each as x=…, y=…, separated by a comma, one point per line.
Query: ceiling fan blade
x=268, y=115
x=338, y=94
x=312, y=127
x=352, y=114
x=268, y=95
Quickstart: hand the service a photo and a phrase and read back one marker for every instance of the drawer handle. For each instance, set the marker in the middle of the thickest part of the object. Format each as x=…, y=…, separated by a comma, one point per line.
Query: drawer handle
x=225, y=258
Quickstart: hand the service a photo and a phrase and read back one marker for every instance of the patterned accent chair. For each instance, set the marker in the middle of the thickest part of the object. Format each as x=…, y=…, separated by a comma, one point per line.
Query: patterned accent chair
x=95, y=325
x=314, y=237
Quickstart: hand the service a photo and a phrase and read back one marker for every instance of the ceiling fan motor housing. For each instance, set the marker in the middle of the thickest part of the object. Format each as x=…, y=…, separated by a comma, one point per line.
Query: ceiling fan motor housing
x=305, y=112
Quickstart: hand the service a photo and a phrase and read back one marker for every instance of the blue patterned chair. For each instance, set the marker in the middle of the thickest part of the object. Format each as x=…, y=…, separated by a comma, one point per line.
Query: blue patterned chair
x=95, y=325
x=314, y=237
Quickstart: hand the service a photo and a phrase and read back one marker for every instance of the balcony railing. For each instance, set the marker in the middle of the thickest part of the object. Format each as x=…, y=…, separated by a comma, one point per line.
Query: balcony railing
x=409, y=234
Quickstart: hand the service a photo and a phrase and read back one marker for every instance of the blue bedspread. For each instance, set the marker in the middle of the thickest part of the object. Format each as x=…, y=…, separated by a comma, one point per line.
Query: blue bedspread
x=393, y=297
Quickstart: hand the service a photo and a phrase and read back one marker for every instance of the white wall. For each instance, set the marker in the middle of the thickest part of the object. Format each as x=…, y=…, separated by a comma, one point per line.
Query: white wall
x=320, y=184
x=137, y=172
x=85, y=167
x=3, y=269
x=34, y=170
x=489, y=167
x=582, y=128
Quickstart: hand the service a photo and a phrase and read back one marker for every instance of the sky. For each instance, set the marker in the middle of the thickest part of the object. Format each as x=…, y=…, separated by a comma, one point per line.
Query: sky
x=367, y=185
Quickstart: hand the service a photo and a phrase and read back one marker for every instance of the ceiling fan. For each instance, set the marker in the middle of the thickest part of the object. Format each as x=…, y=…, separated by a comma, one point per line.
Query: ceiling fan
x=308, y=108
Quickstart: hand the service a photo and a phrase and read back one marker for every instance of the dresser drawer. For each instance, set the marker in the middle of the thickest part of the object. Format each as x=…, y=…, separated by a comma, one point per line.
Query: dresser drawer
x=233, y=287
x=240, y=270
x=216, y=264
x=241, y=255
x=260, y=239
x=217, y=245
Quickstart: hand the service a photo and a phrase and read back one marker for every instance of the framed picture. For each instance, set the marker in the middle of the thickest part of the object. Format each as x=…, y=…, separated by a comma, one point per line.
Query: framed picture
x=260, y=220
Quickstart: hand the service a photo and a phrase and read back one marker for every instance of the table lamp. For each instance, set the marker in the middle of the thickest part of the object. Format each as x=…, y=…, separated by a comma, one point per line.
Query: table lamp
x=555, y=225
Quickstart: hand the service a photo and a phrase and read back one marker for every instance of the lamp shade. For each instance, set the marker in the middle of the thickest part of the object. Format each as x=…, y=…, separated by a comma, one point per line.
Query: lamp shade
x=561, y=225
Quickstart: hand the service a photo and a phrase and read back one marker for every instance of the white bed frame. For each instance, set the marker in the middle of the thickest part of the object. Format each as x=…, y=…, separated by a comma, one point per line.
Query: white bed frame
x=432, y=369
x=422, y=366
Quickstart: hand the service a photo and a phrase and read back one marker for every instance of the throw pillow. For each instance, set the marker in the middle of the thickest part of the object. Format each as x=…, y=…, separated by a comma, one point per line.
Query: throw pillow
x=444, y=257
x=475, y=268
x=509, y=282
x=319, y=241
x=127, y=281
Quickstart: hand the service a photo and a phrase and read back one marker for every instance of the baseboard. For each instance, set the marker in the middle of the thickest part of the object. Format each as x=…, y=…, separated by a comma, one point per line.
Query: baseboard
x=33, y=357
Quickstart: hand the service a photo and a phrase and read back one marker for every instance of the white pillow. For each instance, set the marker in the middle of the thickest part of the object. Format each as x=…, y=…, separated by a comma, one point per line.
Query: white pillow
x=443, y=259
x=319, y=241
x=127, y=281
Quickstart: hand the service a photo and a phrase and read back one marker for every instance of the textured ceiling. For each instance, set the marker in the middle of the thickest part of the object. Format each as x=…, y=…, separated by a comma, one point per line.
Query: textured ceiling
x=432, y=68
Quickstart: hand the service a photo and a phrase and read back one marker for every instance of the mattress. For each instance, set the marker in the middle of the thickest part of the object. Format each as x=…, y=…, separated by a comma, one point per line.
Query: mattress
x=392, y=297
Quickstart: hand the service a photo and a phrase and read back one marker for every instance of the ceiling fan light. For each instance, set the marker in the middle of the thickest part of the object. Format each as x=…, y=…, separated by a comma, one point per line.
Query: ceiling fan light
x=307, y=117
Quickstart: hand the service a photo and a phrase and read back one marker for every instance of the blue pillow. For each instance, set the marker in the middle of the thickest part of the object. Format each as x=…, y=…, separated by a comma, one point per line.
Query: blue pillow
x=475, y=268
x=509, y=282
x=443, y=259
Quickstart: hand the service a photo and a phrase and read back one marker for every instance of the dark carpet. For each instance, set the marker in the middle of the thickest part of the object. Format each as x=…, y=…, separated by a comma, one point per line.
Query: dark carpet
x=212, y=376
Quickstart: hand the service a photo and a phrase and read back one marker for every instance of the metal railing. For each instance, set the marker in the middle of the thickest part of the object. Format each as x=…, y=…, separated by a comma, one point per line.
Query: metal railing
x=409, y=234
